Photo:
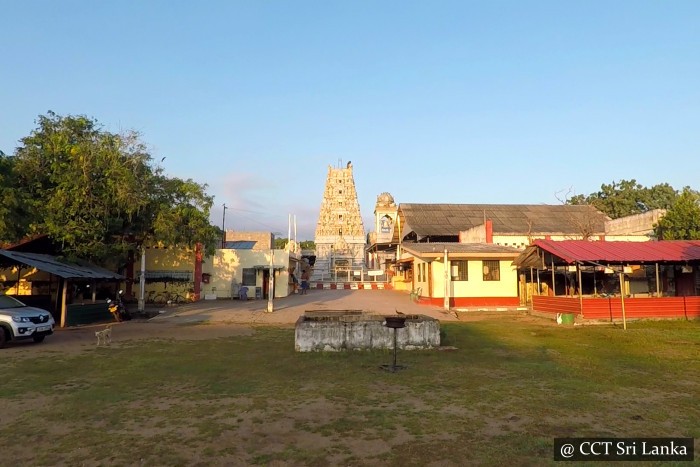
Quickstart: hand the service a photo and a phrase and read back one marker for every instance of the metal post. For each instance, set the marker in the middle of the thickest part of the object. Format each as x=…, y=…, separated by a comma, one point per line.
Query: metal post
x=271, y=283
x=394, y=366
x=142, y=280
x=223, y=228
x=622, y=299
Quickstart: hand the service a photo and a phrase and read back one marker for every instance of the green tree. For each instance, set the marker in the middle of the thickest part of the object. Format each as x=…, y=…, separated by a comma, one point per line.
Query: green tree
x=281, y=243
x=178, y=214
x=627, y=197
x=99, y=194
x=307, y=245
x=13, y=222
x=682, y=220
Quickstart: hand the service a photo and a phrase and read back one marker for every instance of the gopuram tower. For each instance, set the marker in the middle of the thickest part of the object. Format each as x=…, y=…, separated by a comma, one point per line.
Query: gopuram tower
x=340, y=234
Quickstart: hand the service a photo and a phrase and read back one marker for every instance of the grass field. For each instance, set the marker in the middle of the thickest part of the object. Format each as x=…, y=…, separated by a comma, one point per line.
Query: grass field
x=500, y=398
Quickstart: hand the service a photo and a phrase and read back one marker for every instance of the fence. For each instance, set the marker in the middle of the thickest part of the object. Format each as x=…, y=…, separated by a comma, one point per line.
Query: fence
x=611, y=308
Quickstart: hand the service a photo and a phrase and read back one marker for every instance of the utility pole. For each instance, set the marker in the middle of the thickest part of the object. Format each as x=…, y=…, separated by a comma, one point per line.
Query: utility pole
x=271, y=283
x=223, y=227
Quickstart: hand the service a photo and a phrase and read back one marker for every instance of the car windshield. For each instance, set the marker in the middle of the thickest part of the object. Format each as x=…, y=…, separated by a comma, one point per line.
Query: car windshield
x=9, y=302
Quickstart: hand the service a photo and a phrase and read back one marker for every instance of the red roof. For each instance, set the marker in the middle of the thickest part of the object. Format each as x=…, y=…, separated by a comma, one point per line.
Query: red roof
x=623, y=252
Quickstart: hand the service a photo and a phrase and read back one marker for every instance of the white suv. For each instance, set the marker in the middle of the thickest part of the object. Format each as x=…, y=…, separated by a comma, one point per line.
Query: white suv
x=19, y=321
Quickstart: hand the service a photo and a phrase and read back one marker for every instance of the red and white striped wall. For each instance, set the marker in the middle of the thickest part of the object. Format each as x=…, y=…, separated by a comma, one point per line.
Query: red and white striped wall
x=350, y=285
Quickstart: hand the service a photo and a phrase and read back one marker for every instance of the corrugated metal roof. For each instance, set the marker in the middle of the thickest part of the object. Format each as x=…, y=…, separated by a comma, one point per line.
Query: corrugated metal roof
x=50, y=264
x=622, y=252
x=476, y=249
x=240, y=244
x=449, y=219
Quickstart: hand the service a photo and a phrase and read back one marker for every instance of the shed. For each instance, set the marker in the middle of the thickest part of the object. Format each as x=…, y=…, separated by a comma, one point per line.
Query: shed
x=65, y=271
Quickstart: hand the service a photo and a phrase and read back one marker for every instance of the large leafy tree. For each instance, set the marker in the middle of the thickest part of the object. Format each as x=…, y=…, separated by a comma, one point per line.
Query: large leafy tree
x=308, y=245
x=13, y=222
x=682, y=220
x=627, y=197
x=99, y=194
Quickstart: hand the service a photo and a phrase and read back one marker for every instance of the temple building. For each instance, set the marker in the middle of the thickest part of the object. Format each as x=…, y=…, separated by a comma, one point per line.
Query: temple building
x=340, y=236
x=380, y=251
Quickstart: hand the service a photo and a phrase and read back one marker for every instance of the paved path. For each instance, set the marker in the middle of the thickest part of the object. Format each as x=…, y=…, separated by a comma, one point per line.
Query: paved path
x=288, y=309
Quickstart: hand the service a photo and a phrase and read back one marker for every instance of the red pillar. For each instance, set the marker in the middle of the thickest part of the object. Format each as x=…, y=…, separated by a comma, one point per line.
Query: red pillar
x=197, y=271
x=489, y=231
x=129, y=292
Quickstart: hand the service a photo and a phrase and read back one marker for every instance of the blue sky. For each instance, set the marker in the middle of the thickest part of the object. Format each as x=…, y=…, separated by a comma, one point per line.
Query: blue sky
x=445, y=101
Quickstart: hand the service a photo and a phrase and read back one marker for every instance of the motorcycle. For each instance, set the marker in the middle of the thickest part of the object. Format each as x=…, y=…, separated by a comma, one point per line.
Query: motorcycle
x=118, y=309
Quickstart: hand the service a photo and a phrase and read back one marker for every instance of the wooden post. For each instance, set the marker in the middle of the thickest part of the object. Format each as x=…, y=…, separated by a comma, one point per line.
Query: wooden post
x=580, y=289
x=19, y=276
x=93, y=285
x=554, y=286
x=595, y=286
x=64, y=304
x=622, y=299
x=658, y=285
x=446, y=300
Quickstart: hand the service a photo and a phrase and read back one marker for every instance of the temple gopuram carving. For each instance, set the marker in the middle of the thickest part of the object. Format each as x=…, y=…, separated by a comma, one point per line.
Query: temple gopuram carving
x=340, y=234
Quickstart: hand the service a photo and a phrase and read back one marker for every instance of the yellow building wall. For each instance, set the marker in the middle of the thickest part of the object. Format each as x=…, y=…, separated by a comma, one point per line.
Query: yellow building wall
x=225, y=268
x=475, y=286
x=226, y=271
x=165, y=259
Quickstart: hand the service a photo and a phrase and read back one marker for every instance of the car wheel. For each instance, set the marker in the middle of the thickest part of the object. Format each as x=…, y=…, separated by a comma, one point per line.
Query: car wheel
x=39, y=338
x=3, y=337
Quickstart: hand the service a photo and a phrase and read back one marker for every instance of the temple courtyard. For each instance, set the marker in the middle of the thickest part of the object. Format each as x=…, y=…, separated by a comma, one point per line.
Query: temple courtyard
x=219, y=383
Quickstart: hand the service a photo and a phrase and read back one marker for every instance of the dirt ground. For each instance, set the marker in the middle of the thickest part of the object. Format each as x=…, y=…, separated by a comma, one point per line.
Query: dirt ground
x=225, y=318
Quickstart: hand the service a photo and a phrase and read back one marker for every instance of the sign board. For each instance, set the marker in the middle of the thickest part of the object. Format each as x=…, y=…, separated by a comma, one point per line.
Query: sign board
x=378, y=272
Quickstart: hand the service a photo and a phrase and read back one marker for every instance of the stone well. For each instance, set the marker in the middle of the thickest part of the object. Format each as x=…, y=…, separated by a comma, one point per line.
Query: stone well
x=355, y=330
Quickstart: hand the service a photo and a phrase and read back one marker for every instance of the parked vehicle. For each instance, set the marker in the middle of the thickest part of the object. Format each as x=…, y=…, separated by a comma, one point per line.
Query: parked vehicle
x=118, y=308
x=19, y=321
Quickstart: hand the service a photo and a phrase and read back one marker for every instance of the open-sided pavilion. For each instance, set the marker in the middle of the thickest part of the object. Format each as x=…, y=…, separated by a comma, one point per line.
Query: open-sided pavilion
x=610, y=280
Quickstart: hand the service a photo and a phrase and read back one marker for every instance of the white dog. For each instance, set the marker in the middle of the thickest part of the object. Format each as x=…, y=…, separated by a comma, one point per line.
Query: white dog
x=104, y=336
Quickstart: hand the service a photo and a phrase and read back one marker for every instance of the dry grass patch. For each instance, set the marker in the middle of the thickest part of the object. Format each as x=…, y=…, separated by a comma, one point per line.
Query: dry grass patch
x=250, y=399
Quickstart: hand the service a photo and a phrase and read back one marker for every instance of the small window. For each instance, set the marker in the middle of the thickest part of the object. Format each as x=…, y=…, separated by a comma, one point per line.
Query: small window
x=249, y=277
x=492, y=270
x=459, y=270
